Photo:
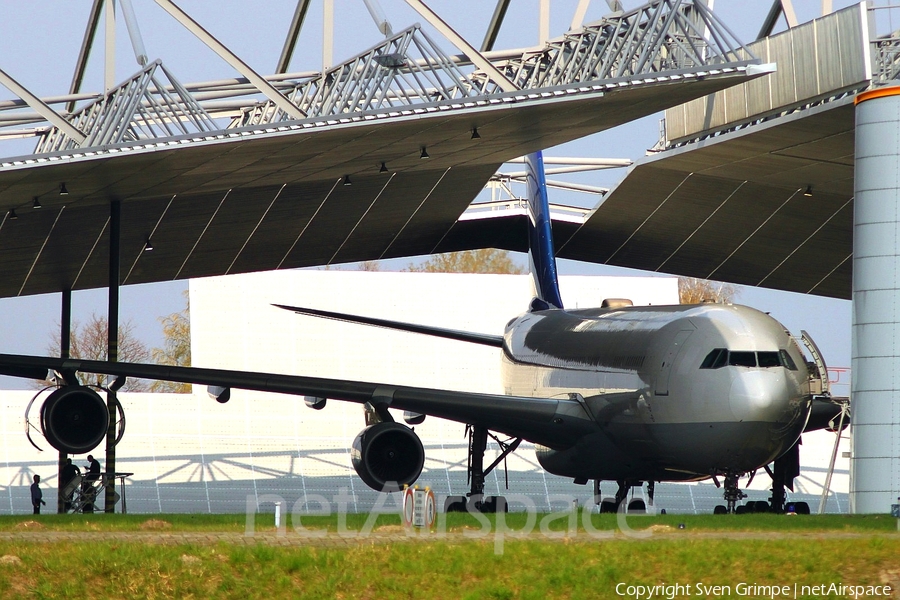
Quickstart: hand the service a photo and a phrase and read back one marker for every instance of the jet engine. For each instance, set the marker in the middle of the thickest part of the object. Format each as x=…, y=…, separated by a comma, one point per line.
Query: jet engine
x=388, y=456
x=74, y=419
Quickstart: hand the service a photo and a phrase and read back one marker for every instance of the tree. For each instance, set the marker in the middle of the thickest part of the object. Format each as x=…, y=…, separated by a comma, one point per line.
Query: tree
x=90, y=342
x=694, y=291
x=368, y=265
x=486, y=260
x=177, y=350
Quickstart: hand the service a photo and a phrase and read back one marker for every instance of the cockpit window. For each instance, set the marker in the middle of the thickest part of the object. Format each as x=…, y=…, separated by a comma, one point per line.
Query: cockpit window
x=720, y=357
x=715, y=359
x=768, y=359
x=786, y=360
x=742, y=359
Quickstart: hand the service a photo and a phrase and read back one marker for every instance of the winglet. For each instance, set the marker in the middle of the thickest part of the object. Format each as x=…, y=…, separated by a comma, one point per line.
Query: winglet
x=541, y=253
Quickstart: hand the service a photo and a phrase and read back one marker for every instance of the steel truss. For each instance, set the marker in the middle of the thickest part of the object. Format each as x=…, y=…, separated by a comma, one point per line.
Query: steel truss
x=388, y=75
x=144, y=107
x=662, y=37
x=664, y=40
x=886, y=60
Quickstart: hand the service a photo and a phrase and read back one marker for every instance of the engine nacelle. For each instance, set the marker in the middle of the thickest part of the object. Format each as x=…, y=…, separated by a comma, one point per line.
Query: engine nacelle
x=74, y=419
x=388, y=456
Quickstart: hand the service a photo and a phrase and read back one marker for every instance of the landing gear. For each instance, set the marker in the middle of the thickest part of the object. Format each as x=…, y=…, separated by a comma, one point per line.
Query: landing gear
x=758, y=506
x=625, y=486
x=783, y=472
x=637, y=506
x=799, y=508
x=733, y=495
x=475, y=499
x=776, y=500
x=785, y=468
x=622, y=492
x=477, y=446
x=608, y=506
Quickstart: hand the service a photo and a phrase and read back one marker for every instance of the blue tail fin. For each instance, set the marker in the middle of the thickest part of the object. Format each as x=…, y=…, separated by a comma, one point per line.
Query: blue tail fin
x=541, y=253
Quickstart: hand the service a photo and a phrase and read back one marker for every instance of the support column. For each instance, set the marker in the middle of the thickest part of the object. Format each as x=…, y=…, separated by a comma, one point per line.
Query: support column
x=327, y=35
x=115, y=212
x=109, y=71
x=875, y=395
x=65, y=345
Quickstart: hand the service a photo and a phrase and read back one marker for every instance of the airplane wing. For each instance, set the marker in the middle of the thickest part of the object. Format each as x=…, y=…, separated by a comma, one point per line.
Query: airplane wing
x=551, y=422
x=452, y=334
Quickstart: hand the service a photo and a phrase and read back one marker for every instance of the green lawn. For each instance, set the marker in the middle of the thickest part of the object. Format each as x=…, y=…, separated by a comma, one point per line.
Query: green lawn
x=455, y=521
x=712, y=550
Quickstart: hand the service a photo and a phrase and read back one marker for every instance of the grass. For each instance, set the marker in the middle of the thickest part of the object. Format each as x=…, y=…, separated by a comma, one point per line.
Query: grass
x=527, y=569
x=118, y=522
x=452, y=567
x=263, y=522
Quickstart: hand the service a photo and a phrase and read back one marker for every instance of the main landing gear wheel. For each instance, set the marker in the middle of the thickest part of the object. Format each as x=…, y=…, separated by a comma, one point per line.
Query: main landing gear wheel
x=797, y=508
x=636, y=505
x=608, y=506
x=455, y=504
x=492, y=504
x=486, y=504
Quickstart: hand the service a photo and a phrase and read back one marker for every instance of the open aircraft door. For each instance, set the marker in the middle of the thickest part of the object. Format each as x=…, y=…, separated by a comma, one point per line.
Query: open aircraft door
x=665, y=371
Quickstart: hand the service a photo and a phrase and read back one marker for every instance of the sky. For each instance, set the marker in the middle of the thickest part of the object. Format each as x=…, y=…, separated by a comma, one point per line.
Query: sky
x=39, y=43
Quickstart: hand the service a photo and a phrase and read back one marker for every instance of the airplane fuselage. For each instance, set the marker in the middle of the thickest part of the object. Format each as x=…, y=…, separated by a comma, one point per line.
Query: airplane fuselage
x=675, y=392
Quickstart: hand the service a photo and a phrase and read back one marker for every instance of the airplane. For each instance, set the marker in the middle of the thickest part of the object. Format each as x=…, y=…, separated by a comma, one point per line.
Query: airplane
x=620, y=393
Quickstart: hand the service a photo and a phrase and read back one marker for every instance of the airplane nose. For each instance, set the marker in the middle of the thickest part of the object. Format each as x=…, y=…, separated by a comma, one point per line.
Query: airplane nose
x=758, y=396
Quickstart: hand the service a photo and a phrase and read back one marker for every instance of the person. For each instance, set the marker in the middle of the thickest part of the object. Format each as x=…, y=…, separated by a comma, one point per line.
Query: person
x=92, y=474
x=68, y=473
x=37, y=496
x=93, y=469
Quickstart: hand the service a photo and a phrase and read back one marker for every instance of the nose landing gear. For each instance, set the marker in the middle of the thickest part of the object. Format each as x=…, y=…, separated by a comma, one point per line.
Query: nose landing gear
x=733, y=495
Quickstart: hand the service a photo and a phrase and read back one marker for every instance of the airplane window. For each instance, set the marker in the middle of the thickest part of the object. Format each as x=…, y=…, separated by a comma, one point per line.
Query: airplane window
x=742, y=359
x=721, y=357
x=786, y=360
x=715, y=359
x=768, y=359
